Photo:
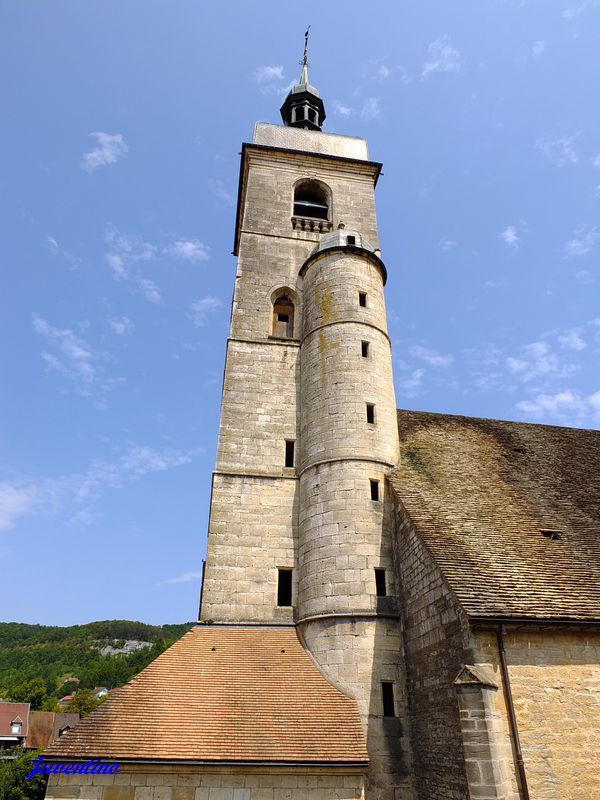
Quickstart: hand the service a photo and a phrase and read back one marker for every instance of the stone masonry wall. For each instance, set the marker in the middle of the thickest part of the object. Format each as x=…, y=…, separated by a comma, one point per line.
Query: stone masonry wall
x=189, y=784
x=259, y=407
x=555, y=681
x=251, y=534
x=436, y=646
x=356, y=655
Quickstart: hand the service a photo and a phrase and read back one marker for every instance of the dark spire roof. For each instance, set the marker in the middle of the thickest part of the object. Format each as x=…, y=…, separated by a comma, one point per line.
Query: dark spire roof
x=303, y=107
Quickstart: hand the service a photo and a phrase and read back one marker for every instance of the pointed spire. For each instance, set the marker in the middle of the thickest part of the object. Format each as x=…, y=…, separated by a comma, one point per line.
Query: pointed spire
x=303, y=107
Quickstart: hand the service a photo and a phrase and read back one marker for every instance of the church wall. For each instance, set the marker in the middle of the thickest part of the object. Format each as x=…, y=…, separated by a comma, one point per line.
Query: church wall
x=251, y=534
x=270, y=192
x=555, y=681
x=356, y=655
x=258, y=410
x=189, y=784
x=436, y=646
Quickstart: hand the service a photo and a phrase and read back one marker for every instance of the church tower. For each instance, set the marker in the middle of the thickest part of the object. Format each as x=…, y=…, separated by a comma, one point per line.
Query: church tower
x=300, y=523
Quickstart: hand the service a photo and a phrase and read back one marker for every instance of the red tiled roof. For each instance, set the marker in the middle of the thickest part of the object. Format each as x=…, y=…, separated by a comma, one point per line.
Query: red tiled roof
x=224, y=694
x=8, y=712
x=479, y=492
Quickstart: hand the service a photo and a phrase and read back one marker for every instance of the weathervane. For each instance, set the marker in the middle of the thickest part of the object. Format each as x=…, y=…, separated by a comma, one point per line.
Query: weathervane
x=304, y=61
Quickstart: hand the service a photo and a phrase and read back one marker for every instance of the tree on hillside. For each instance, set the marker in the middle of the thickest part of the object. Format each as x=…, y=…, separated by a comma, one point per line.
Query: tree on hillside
x=84, y=703
x=33, y=691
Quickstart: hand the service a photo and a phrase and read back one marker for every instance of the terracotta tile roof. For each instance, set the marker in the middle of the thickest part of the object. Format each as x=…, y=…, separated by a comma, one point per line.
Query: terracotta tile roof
x=224, y=694
x=480, y=492
x=10, y=712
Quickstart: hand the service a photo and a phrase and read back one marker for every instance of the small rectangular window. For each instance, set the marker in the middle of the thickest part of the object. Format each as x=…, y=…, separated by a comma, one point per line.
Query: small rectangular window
x=283, y=317
x=370, y=413
x=374, y=489
x=284, y=586
x=387, y=695
x=380, y=587
x=362, y=299
x=350, y=239
x=364, y=349
x=289, y=452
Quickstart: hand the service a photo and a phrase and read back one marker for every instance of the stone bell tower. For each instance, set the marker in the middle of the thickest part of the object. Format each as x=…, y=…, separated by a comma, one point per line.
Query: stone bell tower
x=300, y=522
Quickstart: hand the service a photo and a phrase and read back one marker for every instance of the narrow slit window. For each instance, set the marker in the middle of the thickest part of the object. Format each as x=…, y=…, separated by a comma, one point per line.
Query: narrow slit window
x=387, y=695
x=370, y=413
x=283, y=318
x=350, y=239
x=374, y=489
x=364, y=349
x=380, y=587
x=284, y=586
x=289, y=452
x=362, y=299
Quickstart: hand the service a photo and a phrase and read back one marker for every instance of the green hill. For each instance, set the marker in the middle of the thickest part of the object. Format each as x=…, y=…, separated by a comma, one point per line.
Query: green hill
x=59, y=655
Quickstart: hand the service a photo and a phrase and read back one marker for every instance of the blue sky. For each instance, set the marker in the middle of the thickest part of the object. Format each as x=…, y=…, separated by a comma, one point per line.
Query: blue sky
x=122, y=124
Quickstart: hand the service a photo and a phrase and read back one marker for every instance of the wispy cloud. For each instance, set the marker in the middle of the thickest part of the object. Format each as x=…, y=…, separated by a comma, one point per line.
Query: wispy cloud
x=150, y=290
x=121, y=326
x=221, y=194
x=412, y=385
x=571, y=12
x=572, y=339
x=583, y=241
x=185, y=577
x=510, y=237
x=189, y=250
x=560, y=150
x=109, y=149
x=73, y=494
x=55, y=249
x=443, y=57
x=535, y=360
x=538, y=48
x=370, y=109
x=16, y=501
x=125, y=250
x=270, y=79
x=73, y=357
x=201, y=309
x=567, y=407
x=431, y=357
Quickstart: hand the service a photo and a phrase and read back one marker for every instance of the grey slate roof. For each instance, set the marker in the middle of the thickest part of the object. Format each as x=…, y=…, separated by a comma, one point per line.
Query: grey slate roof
x=480, y=492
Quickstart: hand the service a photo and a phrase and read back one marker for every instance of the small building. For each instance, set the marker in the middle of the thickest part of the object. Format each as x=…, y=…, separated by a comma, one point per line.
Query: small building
x=14, y=724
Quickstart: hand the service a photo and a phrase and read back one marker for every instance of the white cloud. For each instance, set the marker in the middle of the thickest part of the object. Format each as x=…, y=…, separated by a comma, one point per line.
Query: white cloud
x=109, y=148
x=150, y=290
x=443, y=57
x=121, y=326
x=412, y=385
x=185, y=577
x=342, y=110
x=572, y=340
x=575, y=11
x=566, y=406
x=446, y=245
x=510, y=237
x=220, y=193
x=125, y=250
x=73, y=493
x=269, y=73
x=535, y=360
x=431, y=357
x=15, y=502
x=200, y=309
x=596, y=161
x=383, y=71
x=538, y=48
x=189, y=250
x=583, y=241
x=559, y=150
x=370, y=109
x=53, y=247
x=75, y=357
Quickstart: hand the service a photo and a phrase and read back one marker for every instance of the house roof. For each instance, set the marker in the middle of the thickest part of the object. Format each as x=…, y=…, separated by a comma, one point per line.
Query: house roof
x=224, y=693
x=13, y=711
x=480, y=492
x=44, y=726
